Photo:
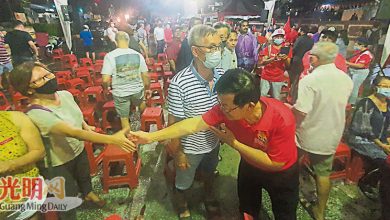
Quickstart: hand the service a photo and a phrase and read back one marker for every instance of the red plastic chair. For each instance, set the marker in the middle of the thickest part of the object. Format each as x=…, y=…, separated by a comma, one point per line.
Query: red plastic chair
x=101, y=55
x=75, y=84
x=58, y=54
x=70, y=61
x=61, y=83
x=153, y=76
x=355, y=168
x=157, y=95
x=152, y=115
x=132, y=163
x=94, y=96
x=93, y=160
x=86, y=62
x=20, y=102
x=162, y=58
x=66, y=74
x=99, y=62
x=85, y=75
x=4, y=104
x=110, y=118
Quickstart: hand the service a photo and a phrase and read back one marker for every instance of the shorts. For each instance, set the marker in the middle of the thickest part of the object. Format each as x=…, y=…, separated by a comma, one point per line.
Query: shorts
x=205, y=163
x=321, y=164
x=89, y=48
x=122, y=104
x=6, y=68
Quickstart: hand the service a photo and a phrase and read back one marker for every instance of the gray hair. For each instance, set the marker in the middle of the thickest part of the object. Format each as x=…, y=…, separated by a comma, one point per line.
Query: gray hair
x=325, y=51
x=198, y=33
x=122, y=36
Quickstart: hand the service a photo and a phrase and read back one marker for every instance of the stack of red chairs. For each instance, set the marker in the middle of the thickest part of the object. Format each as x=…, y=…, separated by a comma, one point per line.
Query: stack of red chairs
x=4, y=104
x=20, y=102
x=58, y=54
x=84, y=74
x=69, y=61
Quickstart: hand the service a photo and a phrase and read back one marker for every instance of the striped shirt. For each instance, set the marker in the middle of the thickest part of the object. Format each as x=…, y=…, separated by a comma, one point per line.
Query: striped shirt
x=189, y=95
x=4, y=56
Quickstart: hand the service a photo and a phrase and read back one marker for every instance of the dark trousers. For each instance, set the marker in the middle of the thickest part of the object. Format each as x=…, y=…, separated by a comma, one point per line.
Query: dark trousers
x=76, y=174
x=160, y=46
x=282, y=187
x=17, y=60
x=384, y=190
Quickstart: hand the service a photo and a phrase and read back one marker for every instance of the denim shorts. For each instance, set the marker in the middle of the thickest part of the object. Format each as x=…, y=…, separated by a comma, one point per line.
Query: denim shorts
x=6, y=68
x=122, y=104
x=205, y=163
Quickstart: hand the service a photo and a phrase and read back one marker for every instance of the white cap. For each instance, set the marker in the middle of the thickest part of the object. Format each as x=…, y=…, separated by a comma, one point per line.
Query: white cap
x=85, y=26
x=279, y=31
x=332, y=29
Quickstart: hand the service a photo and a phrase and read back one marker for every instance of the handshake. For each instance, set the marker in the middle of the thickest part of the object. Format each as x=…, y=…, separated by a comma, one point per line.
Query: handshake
x=128, y=140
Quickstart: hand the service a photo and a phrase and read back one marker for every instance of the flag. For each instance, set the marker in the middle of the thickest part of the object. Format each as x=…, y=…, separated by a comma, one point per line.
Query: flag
x=287, y=26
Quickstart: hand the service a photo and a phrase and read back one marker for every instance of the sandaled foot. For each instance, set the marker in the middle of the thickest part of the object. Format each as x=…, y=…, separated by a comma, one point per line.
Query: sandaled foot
x=184, y=213
x=96, y=200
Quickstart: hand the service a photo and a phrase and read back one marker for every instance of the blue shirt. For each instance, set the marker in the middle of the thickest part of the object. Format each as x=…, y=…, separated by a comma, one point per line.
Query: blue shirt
x=87, y=38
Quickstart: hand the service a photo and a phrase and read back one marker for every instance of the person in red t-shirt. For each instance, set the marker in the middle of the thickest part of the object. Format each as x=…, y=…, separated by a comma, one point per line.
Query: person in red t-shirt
x=168, y=35
x=262, y=130
x=358, y=66
x=274, y=61
x=340, y=62
x=173, y=49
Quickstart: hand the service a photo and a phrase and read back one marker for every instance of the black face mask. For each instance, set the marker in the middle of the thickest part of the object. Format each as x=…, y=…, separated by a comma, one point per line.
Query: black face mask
x=50, y=87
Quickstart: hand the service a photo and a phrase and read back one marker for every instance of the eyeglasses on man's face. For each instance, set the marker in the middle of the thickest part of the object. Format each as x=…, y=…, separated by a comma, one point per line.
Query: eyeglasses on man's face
x=211, y=48
x=227, y=110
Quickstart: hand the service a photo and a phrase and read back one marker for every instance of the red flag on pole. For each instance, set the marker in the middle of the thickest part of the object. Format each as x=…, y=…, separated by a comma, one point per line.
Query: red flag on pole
x=287, y=26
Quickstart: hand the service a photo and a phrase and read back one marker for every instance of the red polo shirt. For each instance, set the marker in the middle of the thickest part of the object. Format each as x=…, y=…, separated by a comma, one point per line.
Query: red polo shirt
x=274, y=133
x=364, y=58
x=339, y=62
x=274, y=71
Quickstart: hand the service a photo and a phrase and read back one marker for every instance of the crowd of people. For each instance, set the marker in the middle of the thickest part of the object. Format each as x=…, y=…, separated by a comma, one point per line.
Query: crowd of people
x=227, y=88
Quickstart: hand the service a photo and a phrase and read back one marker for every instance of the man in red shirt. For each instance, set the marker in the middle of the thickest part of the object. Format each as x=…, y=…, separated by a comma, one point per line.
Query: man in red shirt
x=340, y=62
x=262, y=130
x=358, y=66
x=173, y=49
x=274, y=61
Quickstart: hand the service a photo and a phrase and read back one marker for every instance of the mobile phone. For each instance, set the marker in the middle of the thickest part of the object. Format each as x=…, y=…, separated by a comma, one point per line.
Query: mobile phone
x=284, y=50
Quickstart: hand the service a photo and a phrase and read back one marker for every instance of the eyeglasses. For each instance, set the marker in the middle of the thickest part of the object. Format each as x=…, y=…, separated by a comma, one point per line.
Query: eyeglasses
x=211, y=48
x=384, y=86
x=227, y=110
x=41, y=81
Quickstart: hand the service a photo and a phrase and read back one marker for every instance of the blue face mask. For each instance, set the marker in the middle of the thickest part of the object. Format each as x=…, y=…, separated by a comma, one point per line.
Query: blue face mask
x=384, y=91
x=278, y=41
x=356, y=48
x=213, y=59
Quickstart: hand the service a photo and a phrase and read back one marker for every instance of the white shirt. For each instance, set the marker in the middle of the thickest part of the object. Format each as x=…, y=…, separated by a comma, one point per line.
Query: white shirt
x=159, y=33
x=323, y=96
x=229, y=59
x=125, y=65
x=111, y=33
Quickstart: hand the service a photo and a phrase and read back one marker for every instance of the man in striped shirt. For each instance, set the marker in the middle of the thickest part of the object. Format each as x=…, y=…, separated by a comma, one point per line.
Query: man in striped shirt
x=191, y=93
x=5, y=58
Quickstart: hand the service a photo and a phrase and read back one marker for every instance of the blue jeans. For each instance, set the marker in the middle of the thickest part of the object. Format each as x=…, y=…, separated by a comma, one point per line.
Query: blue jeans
x=6, y=68
x=276, y=87
x=206, y=163
x=358, y=76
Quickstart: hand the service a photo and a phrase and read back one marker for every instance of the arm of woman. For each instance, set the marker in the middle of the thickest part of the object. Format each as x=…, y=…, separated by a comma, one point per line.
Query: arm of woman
x=119, y=138
x=32, y=138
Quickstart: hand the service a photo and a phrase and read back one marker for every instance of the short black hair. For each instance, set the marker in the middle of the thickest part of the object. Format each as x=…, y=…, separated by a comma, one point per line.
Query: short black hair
x=241, y=83
x=330, y=34
x=243, y=21
x=16, y=23
x=378, y=79
x=305, y=29
x=362, y=41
